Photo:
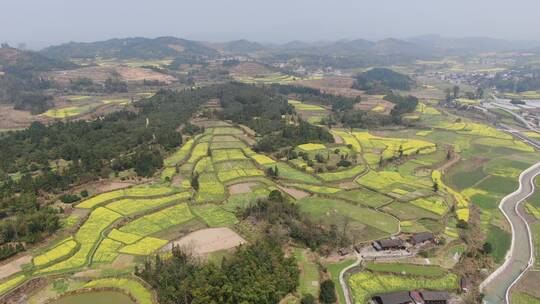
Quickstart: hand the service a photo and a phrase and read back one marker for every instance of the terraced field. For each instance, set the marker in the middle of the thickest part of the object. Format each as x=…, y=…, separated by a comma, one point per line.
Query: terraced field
x=386, y=187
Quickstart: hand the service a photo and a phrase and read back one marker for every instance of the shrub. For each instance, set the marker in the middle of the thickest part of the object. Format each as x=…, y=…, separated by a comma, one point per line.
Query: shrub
x=69, y=198
x=307, y=299
x=328, y=292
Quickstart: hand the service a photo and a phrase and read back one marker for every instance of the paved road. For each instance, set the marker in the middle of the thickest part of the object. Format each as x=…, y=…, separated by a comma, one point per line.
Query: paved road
x=343, y=279
x=521, y=254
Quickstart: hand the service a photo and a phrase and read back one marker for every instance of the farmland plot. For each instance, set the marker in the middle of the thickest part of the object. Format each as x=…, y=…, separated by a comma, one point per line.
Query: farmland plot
x=132, y=206
x=322, y=207
x=210, y=188
x=214, y=215
x=366, y=284
x=62, y=250
x=107, y=251
x=88, y=235
x=157, y=221
x=144, y=246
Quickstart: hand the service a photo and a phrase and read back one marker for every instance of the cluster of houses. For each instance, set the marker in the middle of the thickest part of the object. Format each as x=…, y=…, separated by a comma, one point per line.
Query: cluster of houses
x=399, y=244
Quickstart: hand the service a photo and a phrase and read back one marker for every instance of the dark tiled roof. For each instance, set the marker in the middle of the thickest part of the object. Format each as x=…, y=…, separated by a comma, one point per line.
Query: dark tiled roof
x=435, y=295
x=422, y=237
x=400, y=297
x=389, y=243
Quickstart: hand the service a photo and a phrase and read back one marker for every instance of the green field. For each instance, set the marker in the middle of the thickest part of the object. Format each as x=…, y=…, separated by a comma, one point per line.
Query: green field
x=309, y=273
x=210, y=188
x=365, y=197
x=342, y=174
x=180, y=154
x=323, y=208
x=88, y=235
x=69, y=111
x=523, y=298
x=157, y=221
x=287, y=172
x=214, y=215
x=107, y=251
x=366, y=284
x=144, y=246
x=62, y=250
x=133, y=206
x=334, y=270
x=405, y=269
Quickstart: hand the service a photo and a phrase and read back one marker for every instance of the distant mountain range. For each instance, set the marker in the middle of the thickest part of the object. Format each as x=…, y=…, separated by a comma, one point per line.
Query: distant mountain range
x=388, y=50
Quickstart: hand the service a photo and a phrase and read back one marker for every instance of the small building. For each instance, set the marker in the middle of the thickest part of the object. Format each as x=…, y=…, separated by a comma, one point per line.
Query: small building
x=465, y=284
x=388, y=244
x=400, y=297
x=422, y=237
x=435, y=297
x=343, y=251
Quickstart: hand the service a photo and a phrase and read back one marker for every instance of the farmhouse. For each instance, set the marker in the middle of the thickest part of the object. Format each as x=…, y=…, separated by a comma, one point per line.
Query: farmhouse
x=434, y=297
x=388, y=244
x=400, y=297
x=465, y=284
x=343, y=251
x=422, y=237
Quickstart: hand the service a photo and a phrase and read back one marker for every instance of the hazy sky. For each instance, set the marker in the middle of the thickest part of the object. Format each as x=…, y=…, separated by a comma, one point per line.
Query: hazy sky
x=43, y=22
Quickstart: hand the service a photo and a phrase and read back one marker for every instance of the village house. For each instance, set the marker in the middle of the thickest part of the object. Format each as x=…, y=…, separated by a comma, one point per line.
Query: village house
x=388, y=244
x=421, y=238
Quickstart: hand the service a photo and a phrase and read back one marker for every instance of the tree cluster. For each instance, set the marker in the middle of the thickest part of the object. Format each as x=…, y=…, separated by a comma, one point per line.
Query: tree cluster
x=258, y=273
x=382, y=81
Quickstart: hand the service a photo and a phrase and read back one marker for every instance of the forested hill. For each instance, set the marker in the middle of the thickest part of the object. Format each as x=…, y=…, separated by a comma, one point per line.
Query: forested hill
x=86, y=151
x=128, y=48
x=20, y=80
x=382, y=80
x=21, y=62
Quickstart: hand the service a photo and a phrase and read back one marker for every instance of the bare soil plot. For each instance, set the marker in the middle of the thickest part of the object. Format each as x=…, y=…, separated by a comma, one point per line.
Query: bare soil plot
x=209, y=240
x=337, y=139
x=241, y=188
x=375, y=104
x=337, y=85
x=297, y=194
x=16, y=119
x=101, y=73
x=250, y=69
x=14, y=266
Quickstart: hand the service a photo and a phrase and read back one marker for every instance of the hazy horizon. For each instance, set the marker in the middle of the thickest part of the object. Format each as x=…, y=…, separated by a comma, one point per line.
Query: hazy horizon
x=43, y=23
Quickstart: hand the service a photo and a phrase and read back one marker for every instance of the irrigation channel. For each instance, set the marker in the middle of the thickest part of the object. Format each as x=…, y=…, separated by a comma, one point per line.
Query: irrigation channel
x=520, y=257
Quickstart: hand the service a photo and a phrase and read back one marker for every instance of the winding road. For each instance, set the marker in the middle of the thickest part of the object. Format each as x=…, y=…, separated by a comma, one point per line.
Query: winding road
x=520, y=257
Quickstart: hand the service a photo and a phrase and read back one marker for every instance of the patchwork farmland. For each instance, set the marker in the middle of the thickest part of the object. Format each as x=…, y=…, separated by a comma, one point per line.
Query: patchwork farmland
x=356, y=185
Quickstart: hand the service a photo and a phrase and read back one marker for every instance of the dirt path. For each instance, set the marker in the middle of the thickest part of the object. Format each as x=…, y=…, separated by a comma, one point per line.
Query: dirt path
x=337, y=139
x=208, y=240
x=454, y=160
